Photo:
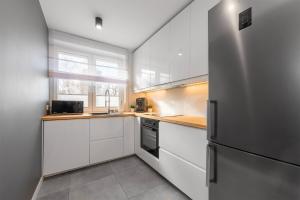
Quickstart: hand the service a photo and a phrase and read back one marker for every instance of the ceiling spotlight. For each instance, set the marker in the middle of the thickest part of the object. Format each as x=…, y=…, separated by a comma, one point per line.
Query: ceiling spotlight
x=98, y=23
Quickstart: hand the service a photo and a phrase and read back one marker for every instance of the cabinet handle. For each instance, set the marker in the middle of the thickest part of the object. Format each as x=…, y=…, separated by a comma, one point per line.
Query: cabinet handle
x=212, y=120
x=211, y=163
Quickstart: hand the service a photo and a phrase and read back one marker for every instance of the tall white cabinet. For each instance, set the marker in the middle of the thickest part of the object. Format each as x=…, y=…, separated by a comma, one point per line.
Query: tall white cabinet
x=178, y=52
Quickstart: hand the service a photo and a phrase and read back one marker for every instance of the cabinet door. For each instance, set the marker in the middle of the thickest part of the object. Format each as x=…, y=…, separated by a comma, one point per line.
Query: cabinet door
x=137, y=135
x=143, y=69
x=137, y=69
x=180, y=45
x=128, y=136
x=199, y=37
x=160, y=56
x=105, y=128
x=66, y=145
x=187, y=177
x=104, y=150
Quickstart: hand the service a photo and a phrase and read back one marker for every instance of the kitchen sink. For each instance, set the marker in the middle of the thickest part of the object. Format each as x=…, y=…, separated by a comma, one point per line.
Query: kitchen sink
x=104, y=113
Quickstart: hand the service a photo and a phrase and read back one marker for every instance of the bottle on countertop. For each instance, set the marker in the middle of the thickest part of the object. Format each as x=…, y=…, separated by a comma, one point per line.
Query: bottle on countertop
x=48, y=110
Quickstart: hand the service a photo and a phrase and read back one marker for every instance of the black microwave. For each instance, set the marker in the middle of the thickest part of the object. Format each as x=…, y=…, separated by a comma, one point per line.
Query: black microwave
x=67, y=107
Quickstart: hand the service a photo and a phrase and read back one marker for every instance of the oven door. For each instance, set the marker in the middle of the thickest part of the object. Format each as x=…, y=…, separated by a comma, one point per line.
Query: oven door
x=149, y=140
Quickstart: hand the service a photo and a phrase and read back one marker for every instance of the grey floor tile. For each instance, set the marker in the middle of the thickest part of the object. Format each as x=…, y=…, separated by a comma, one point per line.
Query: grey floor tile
x=123, y=165
x=117, y=180
x=55, y=184
x=162, y=192
x=90, y=174
x=138, y=180
x=106, y=188
x=61, y=195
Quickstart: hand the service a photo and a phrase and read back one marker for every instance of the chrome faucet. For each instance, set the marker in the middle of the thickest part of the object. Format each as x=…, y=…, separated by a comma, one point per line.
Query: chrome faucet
x=107, y=102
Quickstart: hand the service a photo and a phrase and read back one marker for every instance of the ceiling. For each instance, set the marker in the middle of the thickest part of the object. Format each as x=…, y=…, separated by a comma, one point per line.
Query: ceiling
x=126, y=23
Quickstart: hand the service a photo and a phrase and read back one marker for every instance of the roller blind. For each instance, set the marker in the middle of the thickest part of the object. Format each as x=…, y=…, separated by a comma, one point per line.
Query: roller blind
x=66, y=65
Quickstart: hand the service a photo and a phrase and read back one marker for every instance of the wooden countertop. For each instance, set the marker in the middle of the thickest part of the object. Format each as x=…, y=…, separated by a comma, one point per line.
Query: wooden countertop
x=191, y=121
x=82, y=116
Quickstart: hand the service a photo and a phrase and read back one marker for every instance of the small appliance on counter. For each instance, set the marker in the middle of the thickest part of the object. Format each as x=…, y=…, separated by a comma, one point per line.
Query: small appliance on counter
x=67, y=107
x=141, y=105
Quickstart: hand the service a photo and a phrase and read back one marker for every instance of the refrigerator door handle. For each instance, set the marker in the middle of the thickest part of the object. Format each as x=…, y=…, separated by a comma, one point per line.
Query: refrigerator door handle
x=212, y=120
x=211, y=175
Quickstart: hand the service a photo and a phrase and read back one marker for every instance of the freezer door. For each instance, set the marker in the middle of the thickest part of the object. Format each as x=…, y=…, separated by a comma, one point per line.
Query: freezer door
x=254, y=77
x=244, y=176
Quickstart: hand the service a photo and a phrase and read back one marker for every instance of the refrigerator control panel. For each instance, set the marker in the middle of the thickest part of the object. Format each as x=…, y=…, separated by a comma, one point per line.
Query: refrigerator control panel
x=245, y=19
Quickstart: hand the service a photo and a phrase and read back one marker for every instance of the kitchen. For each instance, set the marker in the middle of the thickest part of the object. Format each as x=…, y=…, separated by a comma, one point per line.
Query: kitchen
x=137, y=100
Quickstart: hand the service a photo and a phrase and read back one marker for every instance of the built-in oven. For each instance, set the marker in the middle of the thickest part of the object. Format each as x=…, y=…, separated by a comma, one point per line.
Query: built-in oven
x=150, y=136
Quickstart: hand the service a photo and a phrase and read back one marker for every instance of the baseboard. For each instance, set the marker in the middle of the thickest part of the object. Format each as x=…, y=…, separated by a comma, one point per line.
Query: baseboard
x=37, y=189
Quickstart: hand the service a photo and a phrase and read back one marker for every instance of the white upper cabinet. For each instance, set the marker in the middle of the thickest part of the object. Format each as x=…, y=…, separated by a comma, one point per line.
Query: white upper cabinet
x=199, y=36
x=160, y=56
x=146, y=72
x=142, y=72
x=137, y=63
x=180, y=45
x=178, y=52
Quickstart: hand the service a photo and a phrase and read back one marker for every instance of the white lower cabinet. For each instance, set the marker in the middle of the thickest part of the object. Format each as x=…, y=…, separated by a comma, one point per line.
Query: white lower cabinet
x=104, y=150
x=66, y=145
x=186, y=142
x=189, y=178
x=104, y=128
x=137, y=135
x=128, y=136
x=149, y=159
x=71, y=144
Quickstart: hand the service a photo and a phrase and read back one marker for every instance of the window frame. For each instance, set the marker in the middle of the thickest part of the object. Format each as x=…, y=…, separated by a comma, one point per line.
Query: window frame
x=92, y=86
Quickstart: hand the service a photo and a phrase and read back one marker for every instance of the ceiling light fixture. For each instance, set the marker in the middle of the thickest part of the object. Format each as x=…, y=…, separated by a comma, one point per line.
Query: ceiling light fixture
x=98, y=23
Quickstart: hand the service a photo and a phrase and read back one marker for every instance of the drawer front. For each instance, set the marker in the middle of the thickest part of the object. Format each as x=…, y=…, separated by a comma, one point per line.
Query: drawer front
x=149, y=159
x=106, y=128
x=186, y=142
x=187, y=177
x=104, y=150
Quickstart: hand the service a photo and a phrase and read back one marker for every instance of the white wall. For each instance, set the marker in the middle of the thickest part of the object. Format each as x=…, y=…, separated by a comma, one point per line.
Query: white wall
x=190, y=100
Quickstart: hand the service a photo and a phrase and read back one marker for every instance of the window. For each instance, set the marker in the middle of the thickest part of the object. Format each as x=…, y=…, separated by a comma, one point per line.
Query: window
x=86, y=78
x=114, y=91
x=73, y=90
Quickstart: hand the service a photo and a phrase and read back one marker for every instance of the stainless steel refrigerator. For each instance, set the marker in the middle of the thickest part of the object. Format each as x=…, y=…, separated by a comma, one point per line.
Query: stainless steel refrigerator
x=254, y=100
